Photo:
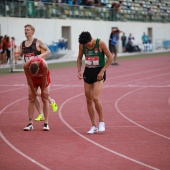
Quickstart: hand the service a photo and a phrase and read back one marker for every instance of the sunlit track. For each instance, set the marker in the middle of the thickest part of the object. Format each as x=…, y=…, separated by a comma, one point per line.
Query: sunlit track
x=21, y=153
x=117, y=108
x=68, y=90
x=105, y=86
x=121, y=113
x=144, y=78
x=12, y=146
x=138, y=73
x=9, y=90
x=95, y=143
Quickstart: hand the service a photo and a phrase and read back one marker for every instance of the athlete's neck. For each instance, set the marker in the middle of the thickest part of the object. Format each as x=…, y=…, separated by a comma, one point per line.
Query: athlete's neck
x=29, y=39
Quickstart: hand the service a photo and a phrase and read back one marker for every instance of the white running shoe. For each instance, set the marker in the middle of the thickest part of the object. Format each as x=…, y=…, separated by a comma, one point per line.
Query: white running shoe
x=101, y=126
x=46, y=127
x=29, y=127
x=93, y=130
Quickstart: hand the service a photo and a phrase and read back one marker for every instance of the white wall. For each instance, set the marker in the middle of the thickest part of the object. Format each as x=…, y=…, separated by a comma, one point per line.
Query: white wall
x=49, y=30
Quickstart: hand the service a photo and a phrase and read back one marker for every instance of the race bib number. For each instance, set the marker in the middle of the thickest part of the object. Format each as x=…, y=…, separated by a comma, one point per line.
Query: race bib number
x=28, y=56
x=92, y=61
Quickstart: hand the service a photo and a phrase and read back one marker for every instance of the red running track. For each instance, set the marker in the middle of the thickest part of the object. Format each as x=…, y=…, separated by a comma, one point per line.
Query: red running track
x=136, y=105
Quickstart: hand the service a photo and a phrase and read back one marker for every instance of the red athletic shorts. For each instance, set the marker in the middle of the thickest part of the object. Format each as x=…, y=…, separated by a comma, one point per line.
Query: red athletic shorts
x=37, y=81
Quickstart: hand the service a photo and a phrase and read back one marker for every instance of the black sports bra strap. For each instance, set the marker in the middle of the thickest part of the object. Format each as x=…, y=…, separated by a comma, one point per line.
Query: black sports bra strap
x=34, y=41
x=23, y=44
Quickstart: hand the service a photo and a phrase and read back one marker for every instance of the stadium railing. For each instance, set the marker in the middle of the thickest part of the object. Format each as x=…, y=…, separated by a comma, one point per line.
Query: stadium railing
x=129, y=11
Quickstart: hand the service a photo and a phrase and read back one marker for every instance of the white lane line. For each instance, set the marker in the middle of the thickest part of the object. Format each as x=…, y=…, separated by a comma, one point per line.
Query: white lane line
x=10, y=90
x=106, y=86
x=143, y=78
x=138, y=73
x=21, y=153
x=12, y=146
x=95, y=143
x=119, y=111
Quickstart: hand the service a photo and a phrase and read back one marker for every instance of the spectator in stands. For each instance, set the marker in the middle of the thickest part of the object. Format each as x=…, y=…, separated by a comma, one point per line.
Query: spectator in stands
x=89, y=2
x=132, y=45
x=135, y=46
x=1, y=50
x=41, y=9
x=70, y=2
x=144, y=38
x=114, y=37
x=3, y=54
x=115, y=8
x=94, y=75
x=150, y=11
x=145, y=41
x=123, y=39
x=130, y=38
x=83, y=2
x=8, y=49
x=2, y=8
x=13, y=47
x=129, y=47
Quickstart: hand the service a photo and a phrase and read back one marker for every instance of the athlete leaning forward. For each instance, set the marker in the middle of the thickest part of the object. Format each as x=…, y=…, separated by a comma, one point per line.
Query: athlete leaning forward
x=31, y=49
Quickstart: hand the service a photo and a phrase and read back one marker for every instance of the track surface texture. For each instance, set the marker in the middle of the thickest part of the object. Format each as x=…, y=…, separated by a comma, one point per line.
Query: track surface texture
x=136, y=106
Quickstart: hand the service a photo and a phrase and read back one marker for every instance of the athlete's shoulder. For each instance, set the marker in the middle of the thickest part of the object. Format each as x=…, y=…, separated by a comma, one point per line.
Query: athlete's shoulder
x=39, y=41
x=23, y=44
x=101, y=41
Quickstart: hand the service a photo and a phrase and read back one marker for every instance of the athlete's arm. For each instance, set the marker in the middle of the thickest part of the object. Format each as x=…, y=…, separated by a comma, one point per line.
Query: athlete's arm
x=40, y=45
x=79, y=61
x=18, y=56
x=29, y=81
x=44, y=80
x=44, y=75
x=109, y=56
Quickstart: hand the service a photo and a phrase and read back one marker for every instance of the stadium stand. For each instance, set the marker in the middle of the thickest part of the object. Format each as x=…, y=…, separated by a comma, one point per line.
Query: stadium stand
x=129, y=10
x=157, y=11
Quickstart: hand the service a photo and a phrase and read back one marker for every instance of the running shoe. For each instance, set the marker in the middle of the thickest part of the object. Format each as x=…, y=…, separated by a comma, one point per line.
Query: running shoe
x=39, y=118
x=101, y=126
x=29, y=127
x=93, y=130
x=54, y=106
x=46, y=127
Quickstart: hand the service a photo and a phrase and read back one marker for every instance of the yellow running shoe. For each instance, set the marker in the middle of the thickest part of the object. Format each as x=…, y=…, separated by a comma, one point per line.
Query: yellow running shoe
x=39, y=118
x=54, y=106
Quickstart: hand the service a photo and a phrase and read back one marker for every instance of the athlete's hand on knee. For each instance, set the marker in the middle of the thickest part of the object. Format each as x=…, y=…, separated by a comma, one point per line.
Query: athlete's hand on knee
x=45, y=95
x=31, y=97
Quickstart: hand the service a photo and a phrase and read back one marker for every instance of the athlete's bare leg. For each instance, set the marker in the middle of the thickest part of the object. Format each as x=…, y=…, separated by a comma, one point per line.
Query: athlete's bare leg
x=115, y=57
x=46, y=105
x=38, y=106
x=98, y=106
x=92, y=92
x=31, y=106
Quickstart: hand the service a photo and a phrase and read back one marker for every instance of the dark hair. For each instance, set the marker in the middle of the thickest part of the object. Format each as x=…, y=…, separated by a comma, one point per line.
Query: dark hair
x=33, y=68
x=85, y=37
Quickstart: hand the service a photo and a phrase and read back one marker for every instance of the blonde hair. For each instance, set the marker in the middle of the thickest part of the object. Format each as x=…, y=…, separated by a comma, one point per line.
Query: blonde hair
x=29, y=25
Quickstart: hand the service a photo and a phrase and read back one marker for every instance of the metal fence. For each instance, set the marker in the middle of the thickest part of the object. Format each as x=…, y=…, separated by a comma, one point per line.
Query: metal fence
x=34, y=9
